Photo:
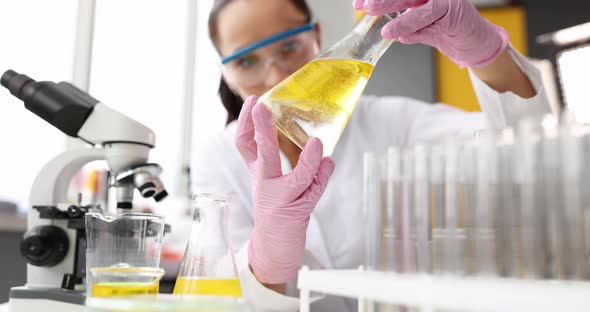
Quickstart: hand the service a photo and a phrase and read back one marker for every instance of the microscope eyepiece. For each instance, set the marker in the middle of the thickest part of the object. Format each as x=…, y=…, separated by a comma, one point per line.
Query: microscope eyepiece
x=15, y=83
x=60, y=104
x=7, y=77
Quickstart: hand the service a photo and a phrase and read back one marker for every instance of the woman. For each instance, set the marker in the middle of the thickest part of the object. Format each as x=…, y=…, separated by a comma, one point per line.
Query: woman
x=283, y=213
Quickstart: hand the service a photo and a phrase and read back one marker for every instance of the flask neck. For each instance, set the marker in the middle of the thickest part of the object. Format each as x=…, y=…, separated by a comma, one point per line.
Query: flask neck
x=210, y=216
x=210, y=209
x=364, y=42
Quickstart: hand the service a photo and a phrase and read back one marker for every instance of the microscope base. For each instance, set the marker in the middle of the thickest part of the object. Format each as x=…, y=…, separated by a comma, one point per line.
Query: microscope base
x=24, y=299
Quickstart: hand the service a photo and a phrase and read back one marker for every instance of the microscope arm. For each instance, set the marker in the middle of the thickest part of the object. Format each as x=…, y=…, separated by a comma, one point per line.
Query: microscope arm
x=105, y=126
x=51, y=184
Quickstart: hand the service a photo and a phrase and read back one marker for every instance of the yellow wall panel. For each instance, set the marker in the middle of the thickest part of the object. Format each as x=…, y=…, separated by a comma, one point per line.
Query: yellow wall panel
x=453, y=84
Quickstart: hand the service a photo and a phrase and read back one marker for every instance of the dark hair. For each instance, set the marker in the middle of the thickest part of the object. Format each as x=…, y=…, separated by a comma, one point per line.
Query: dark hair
x=231, y=101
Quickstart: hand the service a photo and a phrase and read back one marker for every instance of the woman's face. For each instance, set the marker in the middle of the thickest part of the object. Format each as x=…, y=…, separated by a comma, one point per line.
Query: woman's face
x=244, y=22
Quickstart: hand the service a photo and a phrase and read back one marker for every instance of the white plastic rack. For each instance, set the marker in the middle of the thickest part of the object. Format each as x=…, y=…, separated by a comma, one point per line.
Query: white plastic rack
x=454, y=293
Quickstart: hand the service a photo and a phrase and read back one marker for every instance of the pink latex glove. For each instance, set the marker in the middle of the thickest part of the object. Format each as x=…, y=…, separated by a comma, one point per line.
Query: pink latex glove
x=454, y=27
x=282, y=203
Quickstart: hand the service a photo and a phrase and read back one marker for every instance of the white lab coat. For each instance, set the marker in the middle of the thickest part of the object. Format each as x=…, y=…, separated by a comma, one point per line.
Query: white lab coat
x=334, y=237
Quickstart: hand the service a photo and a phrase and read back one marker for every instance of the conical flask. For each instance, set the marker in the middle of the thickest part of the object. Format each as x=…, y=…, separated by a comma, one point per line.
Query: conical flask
x=318, y=99
x=208, y=267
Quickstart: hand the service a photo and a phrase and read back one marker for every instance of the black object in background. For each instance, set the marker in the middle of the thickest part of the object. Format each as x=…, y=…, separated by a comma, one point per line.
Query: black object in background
x=545, y=16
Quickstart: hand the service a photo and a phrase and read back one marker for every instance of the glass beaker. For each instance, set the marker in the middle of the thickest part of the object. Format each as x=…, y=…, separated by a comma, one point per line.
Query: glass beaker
x=208, y=267
x=319, y=98
x=123, y=254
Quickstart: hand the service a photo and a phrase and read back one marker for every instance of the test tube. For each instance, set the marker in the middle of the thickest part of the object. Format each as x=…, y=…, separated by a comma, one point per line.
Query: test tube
x=451, y=252
x=393, y=202
x=422, y=210
x=467, y=207
x=407, y=230
x=437, y=207
x=486, y=203
x=585, y=216
x=530, y=246
x=507, y=209
x=574, y=257
x=437, y=194
x=551, y=178
x=371, y=211
x=392, y=251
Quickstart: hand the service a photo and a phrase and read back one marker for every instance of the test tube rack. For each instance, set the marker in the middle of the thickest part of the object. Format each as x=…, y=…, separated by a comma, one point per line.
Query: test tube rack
x=449, y=293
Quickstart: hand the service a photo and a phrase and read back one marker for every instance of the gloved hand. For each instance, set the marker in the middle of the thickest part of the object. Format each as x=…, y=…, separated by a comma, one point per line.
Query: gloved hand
x=282, y=203
x=454, y=27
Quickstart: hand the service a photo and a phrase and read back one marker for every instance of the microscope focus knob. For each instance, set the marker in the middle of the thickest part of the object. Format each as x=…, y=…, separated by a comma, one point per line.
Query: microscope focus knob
x=45, y=246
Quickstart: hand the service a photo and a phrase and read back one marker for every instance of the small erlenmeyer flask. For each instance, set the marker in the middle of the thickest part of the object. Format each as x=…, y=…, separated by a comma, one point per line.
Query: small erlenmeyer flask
x=208, y=267
x=318, y=99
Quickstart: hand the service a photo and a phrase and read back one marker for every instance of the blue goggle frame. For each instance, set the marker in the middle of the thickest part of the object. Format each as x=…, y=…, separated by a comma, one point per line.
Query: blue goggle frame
x=264, y=42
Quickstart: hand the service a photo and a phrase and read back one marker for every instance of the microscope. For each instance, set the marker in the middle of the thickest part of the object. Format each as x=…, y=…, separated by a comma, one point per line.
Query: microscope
x=54, y=244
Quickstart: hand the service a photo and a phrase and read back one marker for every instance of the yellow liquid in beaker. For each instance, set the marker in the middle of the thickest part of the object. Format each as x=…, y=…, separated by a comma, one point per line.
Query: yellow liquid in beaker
x=124, y=289
x=318, y=100
x=208, y=286
x=125, y=281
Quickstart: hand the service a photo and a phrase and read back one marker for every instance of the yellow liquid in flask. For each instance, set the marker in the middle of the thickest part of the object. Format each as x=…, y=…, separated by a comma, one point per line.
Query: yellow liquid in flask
x=124, y=289
x=208, y=286
x=318, y=99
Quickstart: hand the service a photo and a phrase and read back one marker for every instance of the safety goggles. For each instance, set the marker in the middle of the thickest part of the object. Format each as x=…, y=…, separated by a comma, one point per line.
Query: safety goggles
x=288, y=50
